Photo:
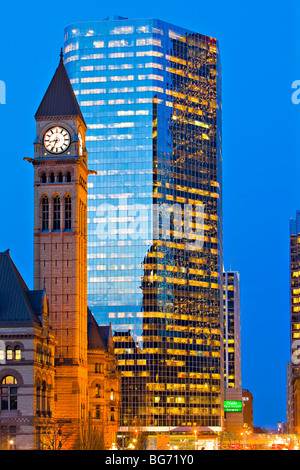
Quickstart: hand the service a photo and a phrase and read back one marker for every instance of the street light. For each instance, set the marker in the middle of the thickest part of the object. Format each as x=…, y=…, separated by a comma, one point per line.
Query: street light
x=11, y=443
x=195, y=432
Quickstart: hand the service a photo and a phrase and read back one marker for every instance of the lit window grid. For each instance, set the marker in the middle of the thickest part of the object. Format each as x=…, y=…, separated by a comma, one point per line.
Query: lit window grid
x=232, y=338
x=294, y=289
x=294, y=312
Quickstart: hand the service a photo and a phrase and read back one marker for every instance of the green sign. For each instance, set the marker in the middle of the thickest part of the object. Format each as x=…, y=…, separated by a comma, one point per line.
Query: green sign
x=233, y=406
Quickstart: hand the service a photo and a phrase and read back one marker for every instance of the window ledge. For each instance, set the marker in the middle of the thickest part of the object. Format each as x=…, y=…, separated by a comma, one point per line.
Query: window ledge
x=9, y=413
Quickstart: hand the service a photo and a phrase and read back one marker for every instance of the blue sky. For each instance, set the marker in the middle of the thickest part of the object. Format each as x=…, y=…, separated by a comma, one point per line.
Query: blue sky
x=260, y=52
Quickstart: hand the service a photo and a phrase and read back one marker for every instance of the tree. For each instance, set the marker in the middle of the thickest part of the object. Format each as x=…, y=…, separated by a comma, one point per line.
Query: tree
x=89, y=436
x=54, y=435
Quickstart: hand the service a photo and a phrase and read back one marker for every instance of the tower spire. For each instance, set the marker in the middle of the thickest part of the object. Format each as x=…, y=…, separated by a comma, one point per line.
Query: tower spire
x=61, y=55
x=59, y=99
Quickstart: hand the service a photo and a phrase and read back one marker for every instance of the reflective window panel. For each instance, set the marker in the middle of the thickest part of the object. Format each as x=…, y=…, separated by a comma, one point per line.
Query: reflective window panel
x=150, y=93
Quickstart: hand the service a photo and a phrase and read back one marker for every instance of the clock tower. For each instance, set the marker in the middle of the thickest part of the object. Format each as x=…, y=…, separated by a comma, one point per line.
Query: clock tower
x=60, y=238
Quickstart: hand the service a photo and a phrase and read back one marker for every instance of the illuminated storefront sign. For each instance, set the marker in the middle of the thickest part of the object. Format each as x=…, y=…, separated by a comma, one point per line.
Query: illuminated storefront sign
x=232, y=406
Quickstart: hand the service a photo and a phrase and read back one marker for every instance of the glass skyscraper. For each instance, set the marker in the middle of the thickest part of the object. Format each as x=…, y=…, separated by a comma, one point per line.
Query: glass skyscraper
x=293, y=385
x=232, y=330
x=150, y=93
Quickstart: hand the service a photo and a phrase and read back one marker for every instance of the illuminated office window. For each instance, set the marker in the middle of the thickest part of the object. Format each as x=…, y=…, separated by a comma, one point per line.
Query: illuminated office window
x=154, y=139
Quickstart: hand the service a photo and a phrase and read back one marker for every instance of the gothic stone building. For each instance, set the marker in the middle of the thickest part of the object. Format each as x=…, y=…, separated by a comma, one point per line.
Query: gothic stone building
x=27, y=345
x=58, y=366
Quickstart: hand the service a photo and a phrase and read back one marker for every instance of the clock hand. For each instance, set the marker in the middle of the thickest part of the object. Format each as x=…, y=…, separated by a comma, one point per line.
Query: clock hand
x=53, y=142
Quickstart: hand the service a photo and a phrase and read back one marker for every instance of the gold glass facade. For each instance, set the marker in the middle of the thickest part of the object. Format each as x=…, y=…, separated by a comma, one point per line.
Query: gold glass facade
x=151, y=96
x=232, y=330
x=294, y=369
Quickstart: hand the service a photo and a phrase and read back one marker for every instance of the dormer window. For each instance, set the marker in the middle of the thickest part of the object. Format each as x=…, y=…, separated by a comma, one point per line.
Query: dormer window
x=9, y=353
x=17, y=353
x=13, y=354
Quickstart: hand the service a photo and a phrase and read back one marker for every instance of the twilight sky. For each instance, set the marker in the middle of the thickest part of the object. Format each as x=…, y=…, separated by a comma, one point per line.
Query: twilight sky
x=260, y=54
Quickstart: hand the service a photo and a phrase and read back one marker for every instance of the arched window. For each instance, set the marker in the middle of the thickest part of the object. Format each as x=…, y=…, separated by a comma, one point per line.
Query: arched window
x=50, y=358
x=56, y=213
x=9, y=393
x=44, y=178
x=38, y=396
x=52, y=178
x=45, y=214
x=44, y=393
x=84, y=221
x=97, y=412
x=97, y=389
x=68, y=177
x=68, y=213
x=38, y=353
x=60, y=177
x=17, y=353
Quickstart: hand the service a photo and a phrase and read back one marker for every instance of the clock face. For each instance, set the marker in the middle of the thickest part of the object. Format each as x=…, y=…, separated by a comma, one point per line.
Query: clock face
x=57, y=139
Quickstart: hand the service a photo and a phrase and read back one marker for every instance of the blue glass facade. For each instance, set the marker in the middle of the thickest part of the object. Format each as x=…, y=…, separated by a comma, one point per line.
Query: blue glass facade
x=150, y=94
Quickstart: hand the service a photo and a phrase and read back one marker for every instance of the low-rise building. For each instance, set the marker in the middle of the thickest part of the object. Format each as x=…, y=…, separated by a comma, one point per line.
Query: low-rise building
x=27, y=373
x=60, y=387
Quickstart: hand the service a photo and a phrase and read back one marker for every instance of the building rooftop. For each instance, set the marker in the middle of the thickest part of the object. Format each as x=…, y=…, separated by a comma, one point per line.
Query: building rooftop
x=18, y=304
x=59, y=99
x=98, y=336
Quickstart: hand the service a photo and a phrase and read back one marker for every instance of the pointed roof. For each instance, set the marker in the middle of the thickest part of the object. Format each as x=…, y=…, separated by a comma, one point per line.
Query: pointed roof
x=59, y=99
x=17, y=303
x=98, y=336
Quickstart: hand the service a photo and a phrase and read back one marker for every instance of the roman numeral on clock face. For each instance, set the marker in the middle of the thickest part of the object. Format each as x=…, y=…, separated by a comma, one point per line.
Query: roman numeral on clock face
x=56, y=140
